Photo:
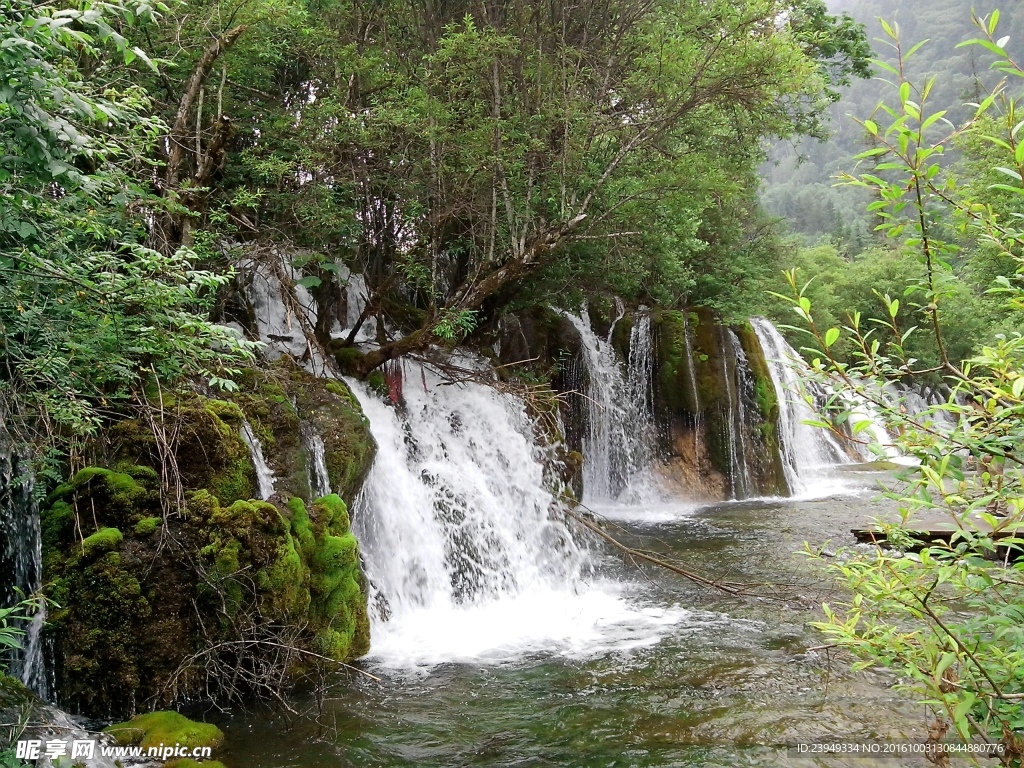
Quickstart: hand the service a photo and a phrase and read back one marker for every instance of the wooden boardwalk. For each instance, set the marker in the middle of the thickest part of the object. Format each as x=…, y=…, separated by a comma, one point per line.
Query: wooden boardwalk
x=928, y=529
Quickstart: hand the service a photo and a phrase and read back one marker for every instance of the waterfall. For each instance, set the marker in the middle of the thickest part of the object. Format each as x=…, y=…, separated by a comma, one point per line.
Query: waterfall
x=464, y=547
x=21, y=564
x=356, y=294
x=806, y=450
x=640, y=402
x=618, y=442
x=319, y=478
x=264, y=474
x=738, y=388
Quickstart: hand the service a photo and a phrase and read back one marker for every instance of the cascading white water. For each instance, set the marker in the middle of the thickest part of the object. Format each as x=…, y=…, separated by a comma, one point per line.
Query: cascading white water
x=618, y=443
x=319, y=479
x=736, y=373
x=464, y=546
x=806, y=450
x=264, y=474
x=640, y=373
x=21, y=564
x=872, y=434
x=283, y=326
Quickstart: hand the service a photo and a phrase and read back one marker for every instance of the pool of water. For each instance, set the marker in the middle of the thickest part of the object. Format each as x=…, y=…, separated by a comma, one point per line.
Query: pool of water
x=683, y=676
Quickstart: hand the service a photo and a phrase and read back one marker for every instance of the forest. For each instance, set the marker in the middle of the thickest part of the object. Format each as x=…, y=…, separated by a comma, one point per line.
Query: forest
x=502, y=383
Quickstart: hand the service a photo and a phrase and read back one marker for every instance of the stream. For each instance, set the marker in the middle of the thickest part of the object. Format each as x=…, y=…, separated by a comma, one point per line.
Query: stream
x=698, y=679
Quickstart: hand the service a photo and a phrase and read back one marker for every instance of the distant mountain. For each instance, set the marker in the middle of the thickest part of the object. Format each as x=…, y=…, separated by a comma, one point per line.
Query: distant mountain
x=799, y=178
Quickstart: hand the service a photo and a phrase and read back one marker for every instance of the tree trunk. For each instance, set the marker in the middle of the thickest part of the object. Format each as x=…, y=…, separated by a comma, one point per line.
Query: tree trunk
x=473, y=294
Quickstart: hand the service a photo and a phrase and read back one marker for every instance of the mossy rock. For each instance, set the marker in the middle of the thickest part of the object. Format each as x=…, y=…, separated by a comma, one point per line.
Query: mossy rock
x=165, y=728
x=695, y=391
x=674, y=391
x=104, y=540
x=147, y=526
x=13, y=694
x=127, y=614
x=337, y=590
x=209, y=452
x=94, y=499
x=103, y=630
x=131, y=609
x=278, y=402
x=188, y=762
x=347, y=358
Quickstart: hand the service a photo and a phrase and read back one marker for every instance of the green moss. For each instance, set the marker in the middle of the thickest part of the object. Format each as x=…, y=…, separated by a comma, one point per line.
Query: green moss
x=377, y=382
x=278, y=404
x=225, y=411
x=209, y=452
x=104, y=540
x=674, y=391
x=188, y=762
x=337, y=592
x=165, y=728
x=56, y=525
x=119, y=489
x=147, y=526
x=768, y=466
x=132, y=613
x=103, y=618
x=336, y=389
x=14, y=694
x=348, y=359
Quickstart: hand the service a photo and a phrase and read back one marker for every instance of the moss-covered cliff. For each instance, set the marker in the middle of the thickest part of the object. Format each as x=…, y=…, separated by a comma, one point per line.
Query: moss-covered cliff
x=714, y=404
x=151, y=599
x=717, y=405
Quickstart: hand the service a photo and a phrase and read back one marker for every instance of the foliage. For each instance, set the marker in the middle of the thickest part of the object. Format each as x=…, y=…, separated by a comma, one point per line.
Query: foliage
x=467, y=153
x=840, y=286
x=798, y=179
x=10, y=633
x=947, y=619
x=89, y=315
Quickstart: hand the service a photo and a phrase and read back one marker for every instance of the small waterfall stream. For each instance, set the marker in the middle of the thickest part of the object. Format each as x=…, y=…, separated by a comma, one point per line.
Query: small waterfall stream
x=264, y=474
x=21, y=564
x=691, y=375
x=806, y=450
x=319, y=479
x=739, y=388
x=618, y=444
x=464, y=546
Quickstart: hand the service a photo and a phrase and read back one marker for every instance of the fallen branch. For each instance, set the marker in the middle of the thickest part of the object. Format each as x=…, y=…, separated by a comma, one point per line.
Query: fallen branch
x=653, y=559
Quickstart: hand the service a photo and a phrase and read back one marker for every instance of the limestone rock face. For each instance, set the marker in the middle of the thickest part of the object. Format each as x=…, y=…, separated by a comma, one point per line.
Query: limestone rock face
x=714, y=402
x=715, y=397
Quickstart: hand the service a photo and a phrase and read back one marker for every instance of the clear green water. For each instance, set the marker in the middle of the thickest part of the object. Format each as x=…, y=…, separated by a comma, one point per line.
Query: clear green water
x=723, y=692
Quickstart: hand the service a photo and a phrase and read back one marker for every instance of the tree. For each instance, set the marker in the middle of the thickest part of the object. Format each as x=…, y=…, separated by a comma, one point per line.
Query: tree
x=948, y=618
x=457, y=153
x=89, y=316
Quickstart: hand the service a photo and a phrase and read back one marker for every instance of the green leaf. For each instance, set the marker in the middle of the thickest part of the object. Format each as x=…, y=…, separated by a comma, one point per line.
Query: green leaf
x=915, y=49
x=987, y=45
x=309, y=281
x=831, y=336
